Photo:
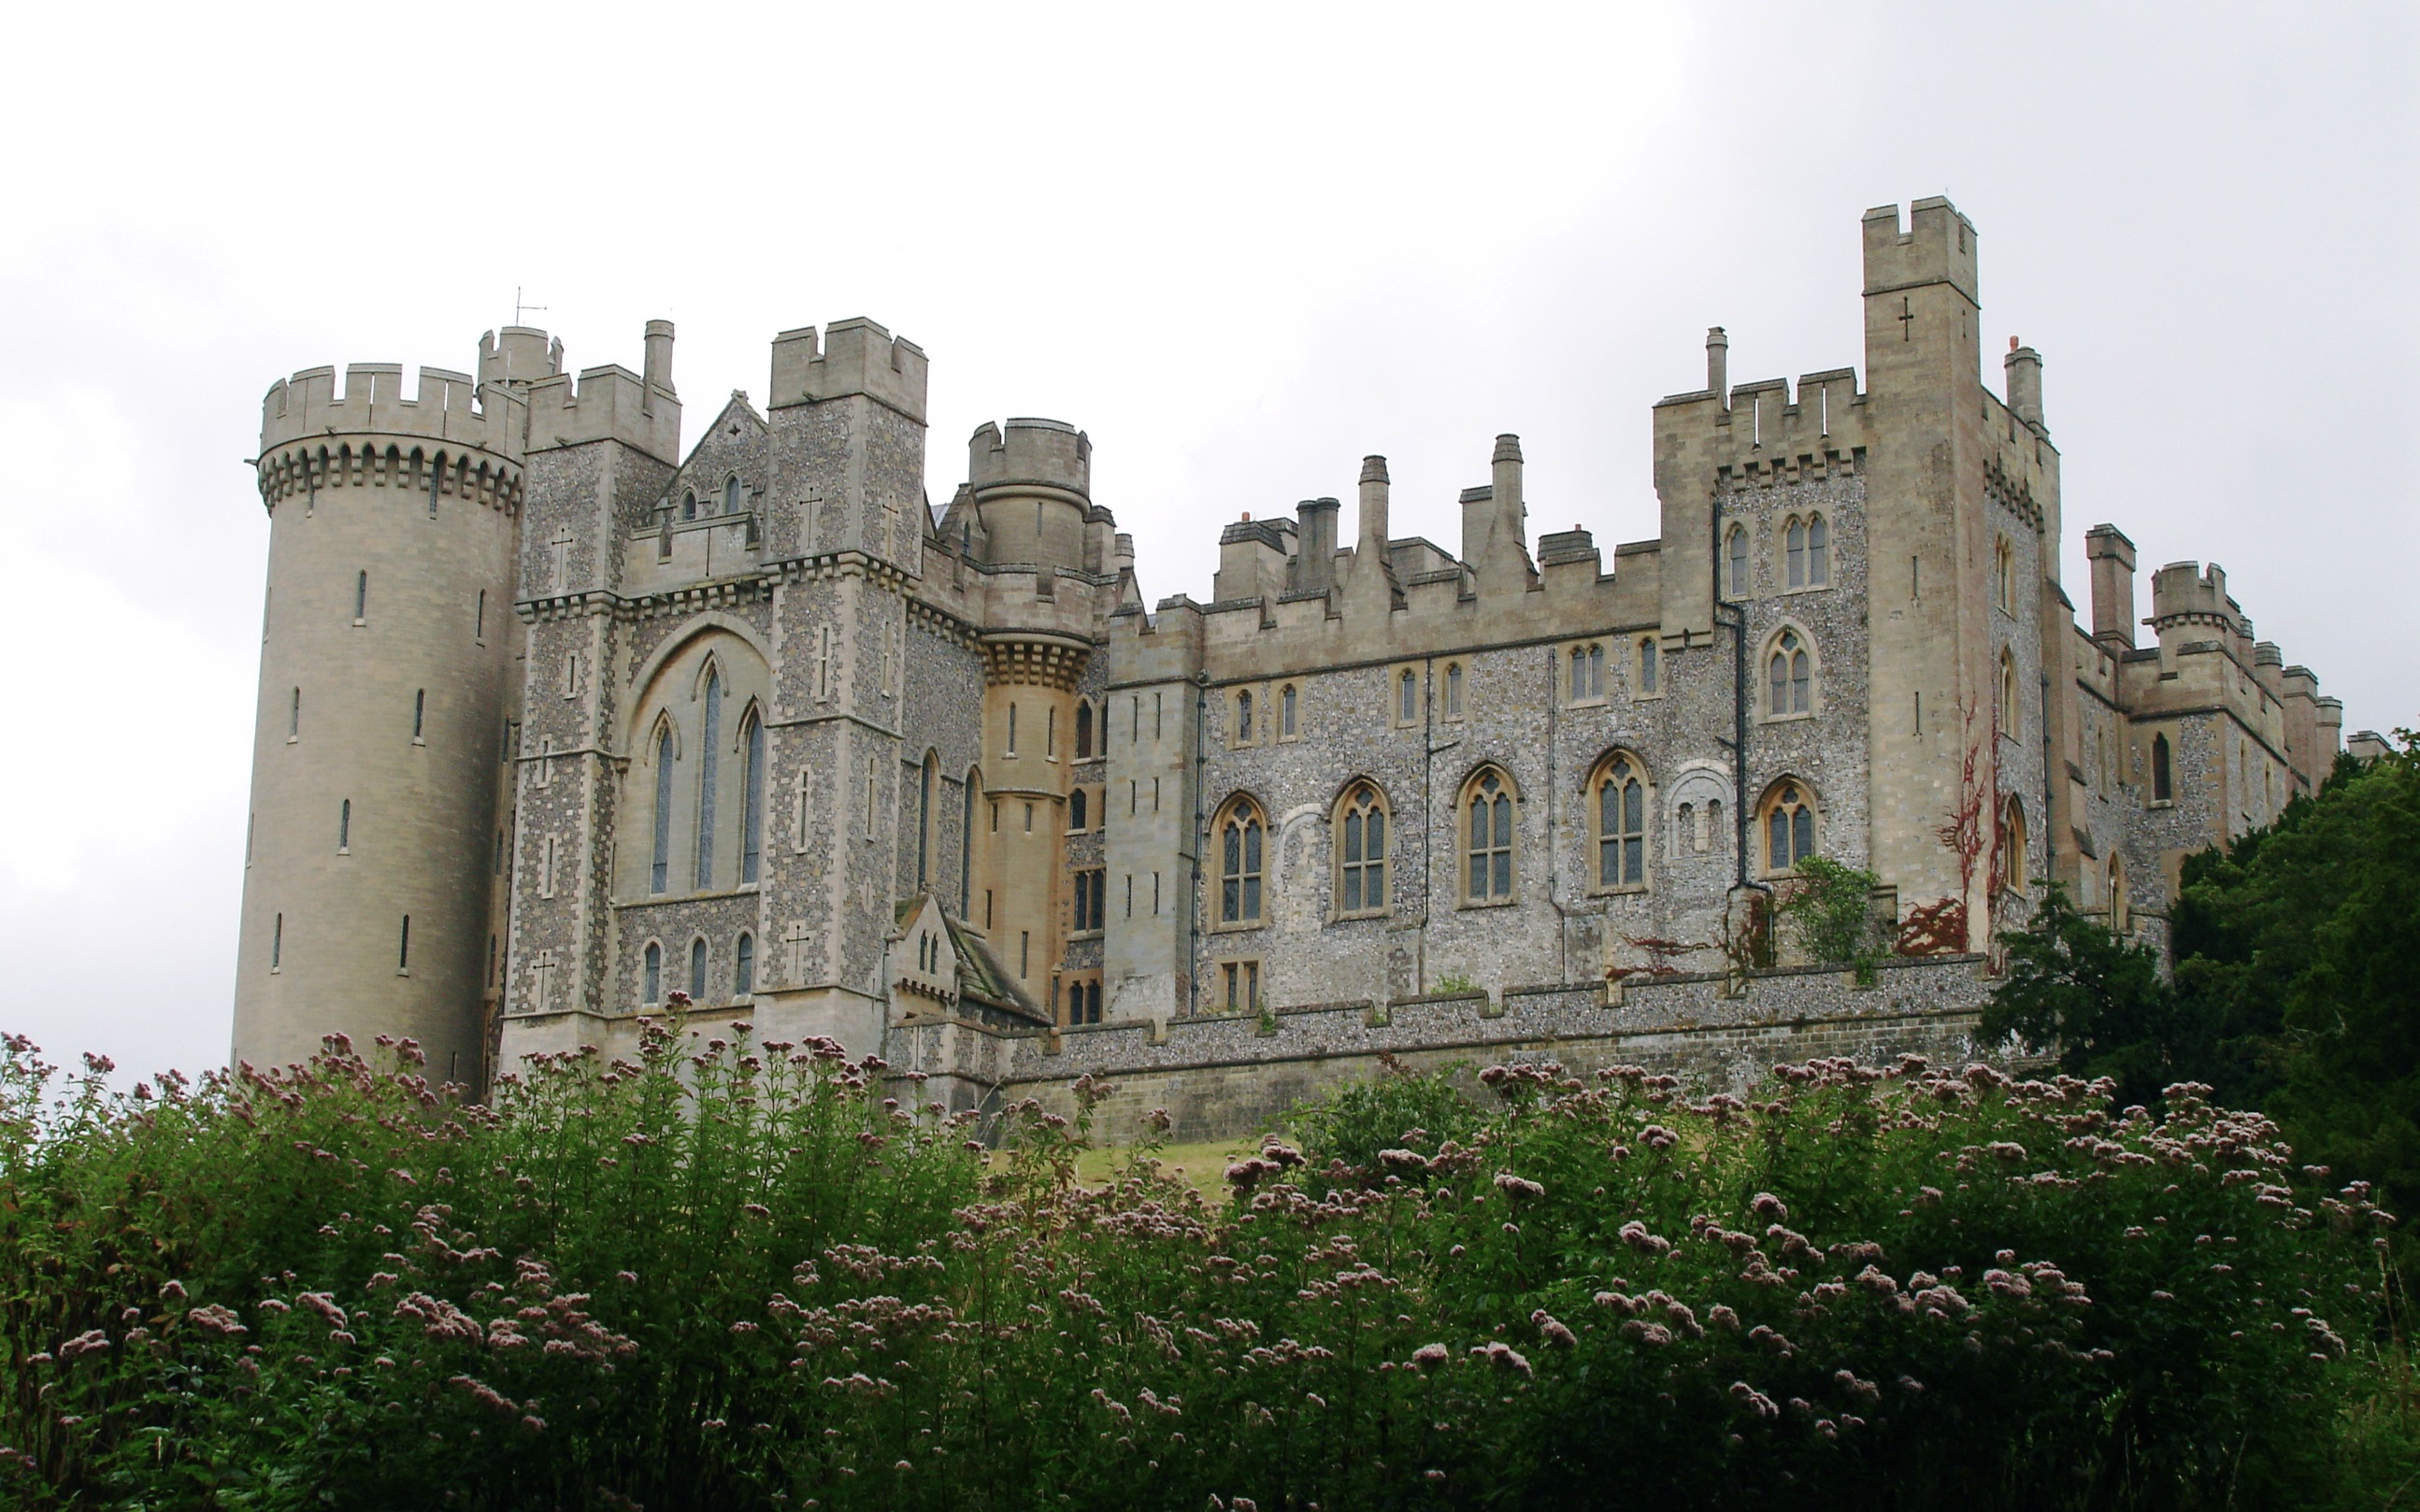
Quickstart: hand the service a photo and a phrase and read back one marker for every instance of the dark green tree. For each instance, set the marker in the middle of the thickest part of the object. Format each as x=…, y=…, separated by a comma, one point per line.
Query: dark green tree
x=2098, y=1000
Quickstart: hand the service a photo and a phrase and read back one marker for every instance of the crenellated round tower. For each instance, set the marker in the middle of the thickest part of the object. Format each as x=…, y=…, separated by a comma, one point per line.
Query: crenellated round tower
x=388, y=669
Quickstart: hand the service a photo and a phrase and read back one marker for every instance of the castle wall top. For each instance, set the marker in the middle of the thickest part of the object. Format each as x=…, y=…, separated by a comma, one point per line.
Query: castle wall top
x=1031, y=451
x=448, y=408
x=853, y=357
x=1938, y=247
x=2183, y=594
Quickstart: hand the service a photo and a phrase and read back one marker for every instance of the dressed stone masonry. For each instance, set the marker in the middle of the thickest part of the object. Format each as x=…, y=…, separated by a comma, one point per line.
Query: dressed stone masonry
x=558, y=721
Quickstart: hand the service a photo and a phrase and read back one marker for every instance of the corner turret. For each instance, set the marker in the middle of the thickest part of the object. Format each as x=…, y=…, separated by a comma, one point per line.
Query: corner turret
x=1032, y=481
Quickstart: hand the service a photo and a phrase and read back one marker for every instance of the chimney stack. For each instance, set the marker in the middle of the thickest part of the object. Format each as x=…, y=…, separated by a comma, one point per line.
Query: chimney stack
x=1511, y=536
x=2112, y=586
x=1372, y=512
x=1718, y=364
x=658, y=365
x=1315, y=549
x=2022, y=366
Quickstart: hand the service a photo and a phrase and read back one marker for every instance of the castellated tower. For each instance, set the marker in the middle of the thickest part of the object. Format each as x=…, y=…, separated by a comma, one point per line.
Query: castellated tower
x=387, y=668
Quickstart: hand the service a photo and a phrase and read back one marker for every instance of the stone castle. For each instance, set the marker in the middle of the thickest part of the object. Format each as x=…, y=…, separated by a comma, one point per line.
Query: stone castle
x=558, y=721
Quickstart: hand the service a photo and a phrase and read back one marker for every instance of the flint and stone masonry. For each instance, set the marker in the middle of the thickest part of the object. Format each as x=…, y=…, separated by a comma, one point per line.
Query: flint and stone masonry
x=562, y=726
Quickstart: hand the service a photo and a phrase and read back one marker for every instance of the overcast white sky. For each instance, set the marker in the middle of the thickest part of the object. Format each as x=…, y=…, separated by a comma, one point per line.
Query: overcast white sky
x=1241, y=244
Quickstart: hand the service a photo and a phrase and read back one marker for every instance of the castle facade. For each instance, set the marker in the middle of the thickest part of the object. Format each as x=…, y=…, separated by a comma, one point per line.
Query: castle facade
x=558, y=720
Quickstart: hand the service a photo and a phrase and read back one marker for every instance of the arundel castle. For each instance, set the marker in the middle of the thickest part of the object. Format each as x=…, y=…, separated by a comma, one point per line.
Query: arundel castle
x=558, y=720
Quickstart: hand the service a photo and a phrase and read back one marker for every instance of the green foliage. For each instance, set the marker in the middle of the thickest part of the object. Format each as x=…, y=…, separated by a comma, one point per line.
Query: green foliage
x=741, y=1277
x=2099, y=1001
x=1451, y=983
x=1397, y=1108
x=1830, y=912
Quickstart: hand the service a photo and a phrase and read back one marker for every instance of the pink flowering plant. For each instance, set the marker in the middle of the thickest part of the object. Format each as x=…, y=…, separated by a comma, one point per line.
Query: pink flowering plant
x=739, y=1275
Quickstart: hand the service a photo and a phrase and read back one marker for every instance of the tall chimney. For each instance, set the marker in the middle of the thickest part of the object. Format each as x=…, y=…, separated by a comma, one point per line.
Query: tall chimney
x=2023, y=368
x=1315, y=559
x=1511, y=520
x=1718, y=364
x=1372, y=512
x=658, y=365
x=2112, y=586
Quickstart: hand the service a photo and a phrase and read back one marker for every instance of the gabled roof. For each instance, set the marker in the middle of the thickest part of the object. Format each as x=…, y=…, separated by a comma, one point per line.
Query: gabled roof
x=981, y=977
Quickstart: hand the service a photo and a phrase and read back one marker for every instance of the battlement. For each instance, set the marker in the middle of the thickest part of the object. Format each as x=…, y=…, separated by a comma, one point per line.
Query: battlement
x=524, y=355
x=608, y=403
x=1937, y=246
x=852, y=357
x=448, y=407
x=2182, y=593
x=1030, y=453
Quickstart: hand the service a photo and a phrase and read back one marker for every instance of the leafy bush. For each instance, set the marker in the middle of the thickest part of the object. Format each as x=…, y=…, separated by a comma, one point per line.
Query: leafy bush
x=747, y=1278
x=1829, y=910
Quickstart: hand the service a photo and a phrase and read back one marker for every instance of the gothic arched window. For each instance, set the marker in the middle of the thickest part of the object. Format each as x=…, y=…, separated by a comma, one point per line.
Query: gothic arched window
x=2012, y=847
x=1453, y=690
x=752, y=829
x=688, y=503
x=1648, y=656
x=1407, y=697
x=651, y=983
x=1621, y=816
x=1790, y=676
x=1795, y=552
x=708, y=770
x=1290, y=712
x=731, y=494
x=1244, y=718
x=1362, y=852
x=1487, y=838
x=661, y=865
x=1735, y=549
x=697, y=969
x=1084, y=732
x=1078, y=807
x=1241, y=835
x=2009, y=708
x=1789, y=828
x=2163, y=770
x=1819, y=551
x=743, y=966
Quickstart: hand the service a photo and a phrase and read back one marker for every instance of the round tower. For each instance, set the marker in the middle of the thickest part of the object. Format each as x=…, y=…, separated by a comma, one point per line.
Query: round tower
x=372, y=855
x=1032, y=489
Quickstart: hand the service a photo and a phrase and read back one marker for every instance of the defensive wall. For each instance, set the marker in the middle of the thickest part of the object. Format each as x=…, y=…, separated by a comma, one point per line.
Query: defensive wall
x=1224, y=1076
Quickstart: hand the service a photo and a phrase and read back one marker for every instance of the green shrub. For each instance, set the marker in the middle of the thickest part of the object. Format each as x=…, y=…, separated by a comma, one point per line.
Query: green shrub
x=1829, y=911
x=744, y=1278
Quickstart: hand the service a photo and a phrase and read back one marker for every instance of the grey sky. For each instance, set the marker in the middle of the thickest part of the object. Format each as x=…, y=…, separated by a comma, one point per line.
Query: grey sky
x=1241, y=245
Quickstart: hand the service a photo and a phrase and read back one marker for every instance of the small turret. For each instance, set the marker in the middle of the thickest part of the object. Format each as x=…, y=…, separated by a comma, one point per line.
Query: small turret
x=1033, y=481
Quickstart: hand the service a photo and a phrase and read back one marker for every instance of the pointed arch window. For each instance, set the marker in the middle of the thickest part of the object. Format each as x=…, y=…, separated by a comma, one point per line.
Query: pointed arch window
x=731, y=494
x=1789, y=828
x=1649, y=654
x=1487, y=838
x=1819, y=551
x=659, y=868
x=1084, y=732
x=1244, y=718
x=1290, y=712
x=743, y=966
x=1407, y=698
x=1453, y=690
x=2004, y=577
x=651, y=984
x=697, y=969
x=1361, y=853
x=751, y=827
x=1079, y=812
x=688, y=503
x=1790, y=676
x=1795, y=552
x=1735, y=555
x=708, y=772
x=2009, y=711
x=2162, y=771
x=1620, y=815
x=1242, y=836
x=967, y=841
x=2012, y=848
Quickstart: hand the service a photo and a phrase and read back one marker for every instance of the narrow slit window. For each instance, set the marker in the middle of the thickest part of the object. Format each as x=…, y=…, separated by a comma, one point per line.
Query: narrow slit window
x=731, y=495
x=361, y=597
x=1453, y=690
x=1648, y=652
x=1290, y=711
x=660, y=867
x=651, y=987
x=2163, y=770
x=697, y=970
x=403, y=945
x=277, y=942
x=709, y=770
x=419, y=712
x=294, y=716
x=1084, y=732
x=743, y=966
x=479, y=624
x=1409, y=694
x=345, y=826
x=1795, y=552
x=752, y=828
x=1737, y=550
x=1819, y=551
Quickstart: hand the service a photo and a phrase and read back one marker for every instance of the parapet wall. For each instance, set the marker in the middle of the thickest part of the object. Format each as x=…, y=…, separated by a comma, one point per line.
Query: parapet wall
x=1227, y=1076
x=447, y=409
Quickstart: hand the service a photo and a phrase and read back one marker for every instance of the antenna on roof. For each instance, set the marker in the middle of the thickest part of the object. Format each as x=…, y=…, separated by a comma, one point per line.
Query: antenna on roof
x=521, y=309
